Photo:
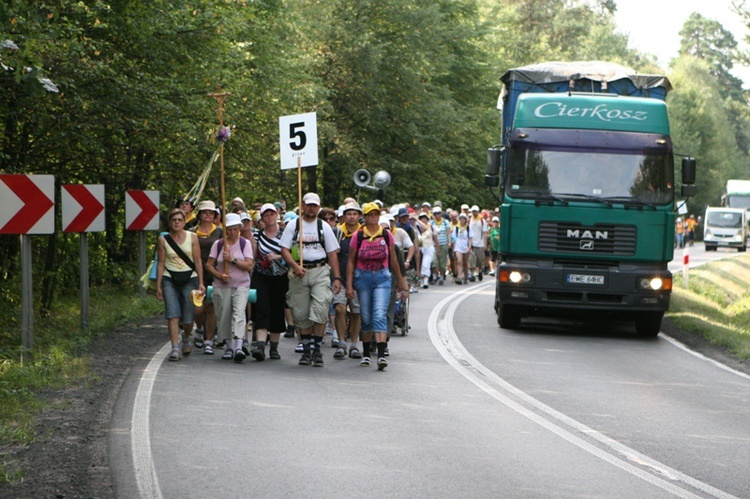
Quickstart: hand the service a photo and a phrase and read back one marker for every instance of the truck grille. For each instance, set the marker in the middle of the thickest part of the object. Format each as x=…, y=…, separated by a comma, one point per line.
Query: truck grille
x=572, y=237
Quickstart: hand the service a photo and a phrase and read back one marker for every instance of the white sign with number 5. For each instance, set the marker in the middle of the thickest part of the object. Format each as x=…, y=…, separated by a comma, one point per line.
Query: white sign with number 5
x=298, y=140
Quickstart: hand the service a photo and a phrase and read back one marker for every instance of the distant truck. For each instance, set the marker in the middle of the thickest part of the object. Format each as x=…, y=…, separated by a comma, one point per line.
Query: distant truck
x=725, y=228
x=737, y=194
x=586, y=174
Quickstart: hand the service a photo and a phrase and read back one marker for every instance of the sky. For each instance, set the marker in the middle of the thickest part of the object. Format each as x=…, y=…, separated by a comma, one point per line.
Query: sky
x=653, y=26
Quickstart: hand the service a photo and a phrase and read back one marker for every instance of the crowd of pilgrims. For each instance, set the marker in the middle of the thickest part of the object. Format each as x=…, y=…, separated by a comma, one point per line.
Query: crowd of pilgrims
x=311, y=272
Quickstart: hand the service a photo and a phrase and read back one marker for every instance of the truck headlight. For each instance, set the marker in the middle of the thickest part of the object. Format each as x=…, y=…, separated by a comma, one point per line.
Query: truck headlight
x=656, y=283
x=514, y=276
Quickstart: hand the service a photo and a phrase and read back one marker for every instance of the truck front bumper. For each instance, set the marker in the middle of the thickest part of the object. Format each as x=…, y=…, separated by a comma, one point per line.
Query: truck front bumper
x=559, y=288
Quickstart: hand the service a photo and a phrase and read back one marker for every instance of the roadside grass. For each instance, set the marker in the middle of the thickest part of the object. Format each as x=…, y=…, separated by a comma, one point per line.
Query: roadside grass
x=716, y=304
x=59, y=360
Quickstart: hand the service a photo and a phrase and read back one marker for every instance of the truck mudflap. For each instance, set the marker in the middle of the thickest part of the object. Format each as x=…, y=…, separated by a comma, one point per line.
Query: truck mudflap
x=625, y=292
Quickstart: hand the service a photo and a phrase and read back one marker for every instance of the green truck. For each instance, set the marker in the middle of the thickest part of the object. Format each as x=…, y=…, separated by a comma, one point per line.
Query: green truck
x=586, y=175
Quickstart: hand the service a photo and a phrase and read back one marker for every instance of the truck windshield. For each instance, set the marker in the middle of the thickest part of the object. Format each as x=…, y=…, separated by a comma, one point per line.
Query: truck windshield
x=640, y=177
x=724, y=219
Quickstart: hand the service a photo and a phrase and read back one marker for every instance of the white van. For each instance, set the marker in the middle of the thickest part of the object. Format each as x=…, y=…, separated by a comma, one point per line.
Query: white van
x=725, y=227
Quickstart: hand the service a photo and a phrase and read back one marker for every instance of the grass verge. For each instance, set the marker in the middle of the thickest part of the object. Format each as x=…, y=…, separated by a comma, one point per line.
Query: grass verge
x=716, y=304
x=59, y=360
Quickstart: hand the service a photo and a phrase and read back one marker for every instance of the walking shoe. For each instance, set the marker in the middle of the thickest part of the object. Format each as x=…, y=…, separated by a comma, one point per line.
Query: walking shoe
x=425, y=286
x=239, y=355
x=258, y=354
x=299, y=348
x=386, y=353
x=289, y=332
x=305, y=360
x=340, y=353
x=175, y=355
x=335, y=343
x=208, y=349
x=228, y=354
x=198, y=340
x=459, y=281
x=471, y=278
x=492, y=272
x=479, y=276
x=354, y=353
x=274, y=355
x=365, y=361
x=318, y=359
x=187, y=348
x=382, y=363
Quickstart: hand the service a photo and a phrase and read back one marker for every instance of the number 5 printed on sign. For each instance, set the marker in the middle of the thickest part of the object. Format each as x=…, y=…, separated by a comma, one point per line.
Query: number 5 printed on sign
x=298, y=140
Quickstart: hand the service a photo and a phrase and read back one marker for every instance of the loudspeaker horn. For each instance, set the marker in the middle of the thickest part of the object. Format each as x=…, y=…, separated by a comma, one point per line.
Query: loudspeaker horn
x=382, y=179
x=361, y=178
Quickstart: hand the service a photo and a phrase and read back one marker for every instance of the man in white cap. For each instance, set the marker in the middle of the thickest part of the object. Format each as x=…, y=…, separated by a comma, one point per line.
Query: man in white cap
x=309, y=247
x=478, y=229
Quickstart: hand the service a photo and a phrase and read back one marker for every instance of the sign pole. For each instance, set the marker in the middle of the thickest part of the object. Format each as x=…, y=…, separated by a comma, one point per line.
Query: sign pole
x=299, y=203
x=27, y=299
x=141, y=260
x=84, y=281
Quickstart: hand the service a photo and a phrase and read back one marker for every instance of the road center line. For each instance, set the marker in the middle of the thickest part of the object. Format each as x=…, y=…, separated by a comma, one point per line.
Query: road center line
x=443, y=337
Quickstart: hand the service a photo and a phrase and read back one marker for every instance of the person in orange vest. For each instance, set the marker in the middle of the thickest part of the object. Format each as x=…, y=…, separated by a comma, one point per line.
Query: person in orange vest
x=690, y=229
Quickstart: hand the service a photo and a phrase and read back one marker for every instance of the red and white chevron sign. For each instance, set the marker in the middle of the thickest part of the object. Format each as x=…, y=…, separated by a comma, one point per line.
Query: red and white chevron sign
x=27, y=204
x=142, y=210
x=83, y=208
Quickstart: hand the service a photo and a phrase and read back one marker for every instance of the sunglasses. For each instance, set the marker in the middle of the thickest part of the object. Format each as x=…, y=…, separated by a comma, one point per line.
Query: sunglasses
x=328, y=219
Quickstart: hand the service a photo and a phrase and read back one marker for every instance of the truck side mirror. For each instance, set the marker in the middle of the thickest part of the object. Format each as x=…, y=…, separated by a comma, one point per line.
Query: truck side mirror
x=493, y=161
x=491, y=177
x=688, y=170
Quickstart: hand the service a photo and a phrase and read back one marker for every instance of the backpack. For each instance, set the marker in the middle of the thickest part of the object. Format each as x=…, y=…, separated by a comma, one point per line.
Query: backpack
x=220, y=245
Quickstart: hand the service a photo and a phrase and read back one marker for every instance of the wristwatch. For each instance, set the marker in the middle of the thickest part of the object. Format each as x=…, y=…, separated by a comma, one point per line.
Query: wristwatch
x=234, y=262
x=338, y=278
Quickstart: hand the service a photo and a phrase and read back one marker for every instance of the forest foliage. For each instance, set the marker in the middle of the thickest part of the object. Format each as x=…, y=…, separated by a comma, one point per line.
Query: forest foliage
x=116, y=93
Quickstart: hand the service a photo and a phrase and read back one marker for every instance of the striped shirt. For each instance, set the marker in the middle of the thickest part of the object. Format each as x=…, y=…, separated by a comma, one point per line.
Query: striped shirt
x=269, y=246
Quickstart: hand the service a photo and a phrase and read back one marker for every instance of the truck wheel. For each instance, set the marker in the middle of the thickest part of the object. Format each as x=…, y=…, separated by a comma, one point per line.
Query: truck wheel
x=508, y=316
x=647, y=324
x=742, y=249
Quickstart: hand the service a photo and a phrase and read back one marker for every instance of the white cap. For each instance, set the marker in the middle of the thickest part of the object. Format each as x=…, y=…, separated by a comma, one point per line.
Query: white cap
x=232, y=220
x=245, y=216
x=475, y=208
x=340, y=211
x=426, y=204
x=464, y=206
x=266, y=207
x=378, y=202
x=437, y=210
x=311, y=198
x=383, y=220
x=495, y=219
x=462, y=215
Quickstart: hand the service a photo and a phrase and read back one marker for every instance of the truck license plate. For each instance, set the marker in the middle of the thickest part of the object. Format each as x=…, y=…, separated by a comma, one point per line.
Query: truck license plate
x=585, y=279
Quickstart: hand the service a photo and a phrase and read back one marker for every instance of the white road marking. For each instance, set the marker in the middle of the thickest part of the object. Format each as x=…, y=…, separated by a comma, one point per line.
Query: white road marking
x=140, y=439
x=443, y=336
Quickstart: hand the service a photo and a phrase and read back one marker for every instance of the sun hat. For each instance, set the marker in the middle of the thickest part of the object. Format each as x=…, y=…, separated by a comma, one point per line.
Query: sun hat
x=383, y=220
x=207, y=206
x=437, y=210
x=311, y=198
x=370, y=207
x=390, y=217
x=232, y=220
x=266, y=207
x=289, y=216
x=352, y=206
x=424, y=215
x=245, y=216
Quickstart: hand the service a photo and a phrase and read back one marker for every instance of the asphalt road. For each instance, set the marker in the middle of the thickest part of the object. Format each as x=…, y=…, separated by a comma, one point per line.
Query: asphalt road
x=464, y=409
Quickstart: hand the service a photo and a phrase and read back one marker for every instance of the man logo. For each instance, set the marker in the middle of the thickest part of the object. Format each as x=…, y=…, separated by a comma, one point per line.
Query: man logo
x=587, y=245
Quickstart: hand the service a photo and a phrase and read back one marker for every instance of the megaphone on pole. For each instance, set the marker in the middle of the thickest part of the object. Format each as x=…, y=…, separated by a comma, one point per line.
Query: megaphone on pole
x=362, y=178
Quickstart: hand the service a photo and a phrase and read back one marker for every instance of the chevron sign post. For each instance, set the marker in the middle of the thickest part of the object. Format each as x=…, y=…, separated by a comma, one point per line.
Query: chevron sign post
x=142, y=213
x=27, y=206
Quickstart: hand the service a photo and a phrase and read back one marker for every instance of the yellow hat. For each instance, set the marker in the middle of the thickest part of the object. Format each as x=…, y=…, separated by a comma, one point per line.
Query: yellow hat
x=370, y=207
